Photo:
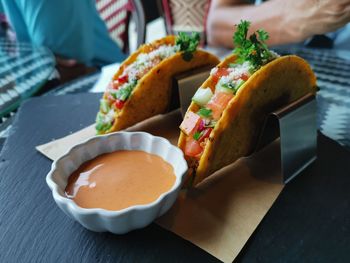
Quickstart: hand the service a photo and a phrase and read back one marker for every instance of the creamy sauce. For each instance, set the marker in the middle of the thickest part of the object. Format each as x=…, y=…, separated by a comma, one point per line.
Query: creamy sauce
x=121, y=179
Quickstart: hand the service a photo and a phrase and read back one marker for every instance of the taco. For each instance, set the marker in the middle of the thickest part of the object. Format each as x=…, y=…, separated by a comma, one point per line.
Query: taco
x=141, y=88
x=227, y=112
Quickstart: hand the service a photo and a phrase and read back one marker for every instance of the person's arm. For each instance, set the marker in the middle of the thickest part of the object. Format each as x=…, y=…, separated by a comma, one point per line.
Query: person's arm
x=71, y=29
x=287, y=21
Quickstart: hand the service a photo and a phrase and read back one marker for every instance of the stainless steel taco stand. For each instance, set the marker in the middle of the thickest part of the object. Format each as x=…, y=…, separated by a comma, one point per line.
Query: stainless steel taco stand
x=185, y=86
x=295, y=124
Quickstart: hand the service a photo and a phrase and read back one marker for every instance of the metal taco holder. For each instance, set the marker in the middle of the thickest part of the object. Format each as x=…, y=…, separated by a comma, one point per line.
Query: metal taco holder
x=295, y=124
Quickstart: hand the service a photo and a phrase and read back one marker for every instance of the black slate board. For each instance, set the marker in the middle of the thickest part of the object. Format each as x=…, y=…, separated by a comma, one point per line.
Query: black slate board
x=309, y=222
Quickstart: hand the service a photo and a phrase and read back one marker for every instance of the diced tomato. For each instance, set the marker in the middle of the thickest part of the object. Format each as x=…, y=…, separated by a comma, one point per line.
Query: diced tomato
x=190, y=122
x=244, y=77
x=120, y=81
x=119, y=104
x=205, y=134
x=219, y=73
x=192, y=148
x=123, y=79
x=218, y=103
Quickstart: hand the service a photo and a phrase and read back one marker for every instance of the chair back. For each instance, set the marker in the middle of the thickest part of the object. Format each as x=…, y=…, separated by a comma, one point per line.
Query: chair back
x=185, y=16
x=117, y=15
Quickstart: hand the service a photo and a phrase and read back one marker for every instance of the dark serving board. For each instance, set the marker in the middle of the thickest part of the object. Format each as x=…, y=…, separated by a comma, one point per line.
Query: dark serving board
x=309, y=222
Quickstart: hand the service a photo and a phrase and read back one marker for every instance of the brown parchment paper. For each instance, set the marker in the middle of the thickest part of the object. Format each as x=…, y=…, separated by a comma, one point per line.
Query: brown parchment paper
x=221, y=213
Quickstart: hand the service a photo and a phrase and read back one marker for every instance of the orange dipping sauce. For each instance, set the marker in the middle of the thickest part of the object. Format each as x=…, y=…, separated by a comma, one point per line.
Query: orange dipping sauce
x=120, y=179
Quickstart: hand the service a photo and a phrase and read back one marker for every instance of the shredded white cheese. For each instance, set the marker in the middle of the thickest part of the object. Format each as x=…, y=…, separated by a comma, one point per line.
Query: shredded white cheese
x=213, y=71
x=145, y=61
x=109, y=117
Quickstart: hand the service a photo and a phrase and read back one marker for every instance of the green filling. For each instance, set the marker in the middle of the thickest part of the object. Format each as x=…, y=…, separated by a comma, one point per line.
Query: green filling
x=187, y=44
x=252, y=48
x=104, y=107
x=197, y=135
x=124, y=92
x=204, y=112
x=233, y=86
x=238, y=85
x=101, y=126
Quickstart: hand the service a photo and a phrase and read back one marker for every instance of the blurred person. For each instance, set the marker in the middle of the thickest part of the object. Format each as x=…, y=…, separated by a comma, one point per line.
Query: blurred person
x=287, y=21
x=72, y=30
x=3, y=26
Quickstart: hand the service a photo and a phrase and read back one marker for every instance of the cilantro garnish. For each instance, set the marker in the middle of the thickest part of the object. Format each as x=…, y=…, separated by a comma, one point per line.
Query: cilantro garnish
x=187, y=44
x=204, y=112
x=252, y=48
x=197, y=135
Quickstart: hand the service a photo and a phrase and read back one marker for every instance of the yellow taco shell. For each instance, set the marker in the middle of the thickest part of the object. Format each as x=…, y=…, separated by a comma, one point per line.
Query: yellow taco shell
x=235, y=135
x=152, y=94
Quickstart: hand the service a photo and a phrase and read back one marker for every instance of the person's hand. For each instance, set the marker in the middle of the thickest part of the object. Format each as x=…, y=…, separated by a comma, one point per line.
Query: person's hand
x=70, y=69
x=305, y=18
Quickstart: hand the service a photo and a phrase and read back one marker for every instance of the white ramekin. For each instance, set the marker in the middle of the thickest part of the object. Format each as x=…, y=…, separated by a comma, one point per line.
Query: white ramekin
x=130, y=218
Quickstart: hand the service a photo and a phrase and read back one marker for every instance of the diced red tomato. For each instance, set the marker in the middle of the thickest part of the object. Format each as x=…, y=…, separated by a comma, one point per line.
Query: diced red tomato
x=205, y=134
x=219, y=73
x=119, y=104
x=190, y=123
x=123, y=79
x=244, y=77
x=192, y=148
x=120, y=81
x=218, y=103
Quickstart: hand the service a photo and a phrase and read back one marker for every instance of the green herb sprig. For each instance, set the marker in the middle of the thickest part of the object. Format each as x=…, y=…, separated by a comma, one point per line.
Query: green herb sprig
x=252, y=48
x=187, y=44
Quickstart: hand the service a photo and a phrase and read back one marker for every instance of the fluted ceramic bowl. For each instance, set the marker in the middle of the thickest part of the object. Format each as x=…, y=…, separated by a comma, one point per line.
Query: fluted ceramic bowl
x=133, y=217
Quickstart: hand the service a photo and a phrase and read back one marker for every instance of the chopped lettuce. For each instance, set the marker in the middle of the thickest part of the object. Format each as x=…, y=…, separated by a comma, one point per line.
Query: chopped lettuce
x=124, y=92
x=104, y=106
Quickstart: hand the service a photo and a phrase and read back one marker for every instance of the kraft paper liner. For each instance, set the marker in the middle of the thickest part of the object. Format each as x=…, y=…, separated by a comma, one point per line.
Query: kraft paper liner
x=222, y=212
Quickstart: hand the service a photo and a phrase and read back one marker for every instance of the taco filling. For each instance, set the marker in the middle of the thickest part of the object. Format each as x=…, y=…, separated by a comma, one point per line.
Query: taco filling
x=211, y=101
x=120, y=88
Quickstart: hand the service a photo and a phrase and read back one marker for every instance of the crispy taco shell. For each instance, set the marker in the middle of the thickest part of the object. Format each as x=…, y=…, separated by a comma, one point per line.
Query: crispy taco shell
x=152, y=94
x=235, y=135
